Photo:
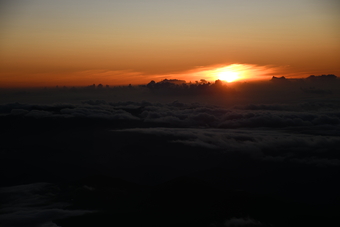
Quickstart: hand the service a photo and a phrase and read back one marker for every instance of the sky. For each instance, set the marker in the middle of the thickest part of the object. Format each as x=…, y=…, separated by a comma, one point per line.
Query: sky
x=77, y=43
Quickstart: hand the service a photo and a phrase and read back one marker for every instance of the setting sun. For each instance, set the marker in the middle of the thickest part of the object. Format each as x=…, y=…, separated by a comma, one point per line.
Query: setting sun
x=228, y=76
x=231, y=73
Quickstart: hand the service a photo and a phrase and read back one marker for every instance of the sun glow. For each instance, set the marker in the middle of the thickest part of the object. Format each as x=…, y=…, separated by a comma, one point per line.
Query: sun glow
x=237, y=73
x=231, y=73
x=241, y=72
x=228, y=76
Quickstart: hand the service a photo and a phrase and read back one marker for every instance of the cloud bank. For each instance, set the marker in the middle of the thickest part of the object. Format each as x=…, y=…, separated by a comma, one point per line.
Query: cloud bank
x=274, y=149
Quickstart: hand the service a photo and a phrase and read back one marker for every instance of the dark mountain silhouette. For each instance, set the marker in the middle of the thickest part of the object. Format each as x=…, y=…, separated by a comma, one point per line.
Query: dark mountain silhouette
x=324, y=77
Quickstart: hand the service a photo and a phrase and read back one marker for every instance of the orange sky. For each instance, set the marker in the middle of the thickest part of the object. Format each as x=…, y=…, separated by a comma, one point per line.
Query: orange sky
x=77, y=43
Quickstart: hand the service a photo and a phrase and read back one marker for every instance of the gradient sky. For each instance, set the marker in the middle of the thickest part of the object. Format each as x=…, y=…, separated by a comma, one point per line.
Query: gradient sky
x=81, y=42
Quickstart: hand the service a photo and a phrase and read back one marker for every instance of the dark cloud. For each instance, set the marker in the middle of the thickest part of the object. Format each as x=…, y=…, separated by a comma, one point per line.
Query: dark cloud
x=19, y=112
x=39, y=114
x=95, y=102
x=279, y=107
x=89, y=109
x=7, y=108
x=100, y=113
x=177, y=114
x=32, y=206
x=236, y=222
x=233, y=118
x=262, y=144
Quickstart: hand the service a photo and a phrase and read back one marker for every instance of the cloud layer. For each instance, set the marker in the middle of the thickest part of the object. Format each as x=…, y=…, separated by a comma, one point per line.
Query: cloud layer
x=287, y=151
x=177, y=114
x=305, y=132
x=32, y=206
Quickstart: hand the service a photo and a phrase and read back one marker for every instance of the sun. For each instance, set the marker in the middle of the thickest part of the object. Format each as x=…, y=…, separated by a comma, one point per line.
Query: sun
x=228, y=76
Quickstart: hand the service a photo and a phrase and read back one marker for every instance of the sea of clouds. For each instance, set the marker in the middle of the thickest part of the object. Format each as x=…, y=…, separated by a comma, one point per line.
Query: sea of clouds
x=287, y=148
